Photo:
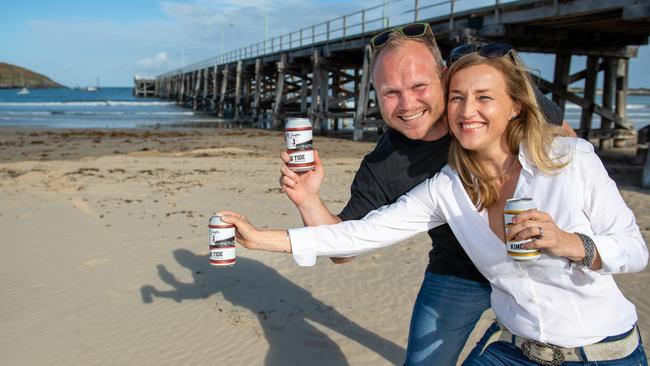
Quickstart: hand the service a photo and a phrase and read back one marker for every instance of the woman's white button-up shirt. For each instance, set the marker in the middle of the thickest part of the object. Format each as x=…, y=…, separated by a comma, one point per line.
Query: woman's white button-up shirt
x=551, y=299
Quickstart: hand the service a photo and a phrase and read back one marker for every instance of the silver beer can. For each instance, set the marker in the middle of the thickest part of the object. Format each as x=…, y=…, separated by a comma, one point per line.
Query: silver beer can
x=299, y=138
x=513, y=207
x=222, y=242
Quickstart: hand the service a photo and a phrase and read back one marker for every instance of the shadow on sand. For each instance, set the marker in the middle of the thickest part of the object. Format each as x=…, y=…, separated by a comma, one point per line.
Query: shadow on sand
x=283, y=309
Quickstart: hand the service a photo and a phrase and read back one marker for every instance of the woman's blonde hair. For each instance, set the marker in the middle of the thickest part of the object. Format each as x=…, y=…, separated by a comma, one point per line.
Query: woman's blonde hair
x=529, y=127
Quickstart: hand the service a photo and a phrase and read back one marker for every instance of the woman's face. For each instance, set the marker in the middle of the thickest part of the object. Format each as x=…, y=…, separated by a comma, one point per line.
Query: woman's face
x=479, y=109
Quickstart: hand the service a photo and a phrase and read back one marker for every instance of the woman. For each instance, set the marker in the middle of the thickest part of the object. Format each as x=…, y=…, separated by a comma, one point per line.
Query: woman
x=563, y=308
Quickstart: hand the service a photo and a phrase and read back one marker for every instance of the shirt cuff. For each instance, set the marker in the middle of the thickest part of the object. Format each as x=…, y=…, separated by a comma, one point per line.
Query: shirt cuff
x=612, y=255
x=301, y=247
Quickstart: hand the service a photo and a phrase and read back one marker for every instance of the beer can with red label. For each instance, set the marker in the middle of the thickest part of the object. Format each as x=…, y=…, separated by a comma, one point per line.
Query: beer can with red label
x=299, y=138
x=513, y=207
x=222, y=242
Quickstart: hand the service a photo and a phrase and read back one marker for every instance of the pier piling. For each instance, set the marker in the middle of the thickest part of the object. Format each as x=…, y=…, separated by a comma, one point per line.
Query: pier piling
x=322, y=71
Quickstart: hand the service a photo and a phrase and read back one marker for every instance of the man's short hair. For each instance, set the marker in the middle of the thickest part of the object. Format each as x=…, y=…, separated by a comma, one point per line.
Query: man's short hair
x=396, y=39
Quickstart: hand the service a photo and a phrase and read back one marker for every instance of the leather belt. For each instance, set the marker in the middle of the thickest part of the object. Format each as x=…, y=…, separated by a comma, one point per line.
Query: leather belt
x=552, y=355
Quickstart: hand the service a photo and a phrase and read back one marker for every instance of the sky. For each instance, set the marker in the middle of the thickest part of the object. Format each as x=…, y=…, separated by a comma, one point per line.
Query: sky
x=80, y=43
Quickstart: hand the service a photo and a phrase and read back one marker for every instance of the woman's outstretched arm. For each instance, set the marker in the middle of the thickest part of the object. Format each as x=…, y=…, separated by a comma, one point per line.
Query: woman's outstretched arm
x=253, y=238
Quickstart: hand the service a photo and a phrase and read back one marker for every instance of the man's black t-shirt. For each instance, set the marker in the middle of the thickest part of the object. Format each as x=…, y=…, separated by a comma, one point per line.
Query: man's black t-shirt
x=398, y=164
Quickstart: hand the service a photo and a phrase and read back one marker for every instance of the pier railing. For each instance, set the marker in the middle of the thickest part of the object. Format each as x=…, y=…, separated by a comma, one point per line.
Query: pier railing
x=353, y=24
x=323, y=71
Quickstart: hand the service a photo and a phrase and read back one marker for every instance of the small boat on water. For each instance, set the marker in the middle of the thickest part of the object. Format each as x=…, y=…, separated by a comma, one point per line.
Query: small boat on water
x=24, y=90
x=93, y=88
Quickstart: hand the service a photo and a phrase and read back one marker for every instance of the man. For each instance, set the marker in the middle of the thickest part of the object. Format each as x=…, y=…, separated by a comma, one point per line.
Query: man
x=406, y=73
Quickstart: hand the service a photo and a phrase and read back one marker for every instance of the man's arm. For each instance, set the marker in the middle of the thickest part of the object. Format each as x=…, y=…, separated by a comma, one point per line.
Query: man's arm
x=304, y=191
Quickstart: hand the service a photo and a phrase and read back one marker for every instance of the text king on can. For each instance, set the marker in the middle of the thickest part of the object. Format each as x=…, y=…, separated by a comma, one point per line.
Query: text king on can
x=513, y=207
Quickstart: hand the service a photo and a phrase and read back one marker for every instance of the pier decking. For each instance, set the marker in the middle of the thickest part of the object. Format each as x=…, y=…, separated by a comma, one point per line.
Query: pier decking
x=322, y=71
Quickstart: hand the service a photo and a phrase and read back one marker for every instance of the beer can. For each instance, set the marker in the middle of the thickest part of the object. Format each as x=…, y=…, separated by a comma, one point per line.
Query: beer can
x=299, y=138
x=513, y=207
x=222, y=242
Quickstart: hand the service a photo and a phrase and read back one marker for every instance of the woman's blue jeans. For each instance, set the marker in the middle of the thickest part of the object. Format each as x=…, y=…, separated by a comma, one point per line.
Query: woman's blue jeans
x=445, y=313
x=505, y=354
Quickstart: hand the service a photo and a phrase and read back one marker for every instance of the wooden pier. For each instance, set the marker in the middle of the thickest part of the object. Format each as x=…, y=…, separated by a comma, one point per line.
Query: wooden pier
x=144, y=87
x=322, y=72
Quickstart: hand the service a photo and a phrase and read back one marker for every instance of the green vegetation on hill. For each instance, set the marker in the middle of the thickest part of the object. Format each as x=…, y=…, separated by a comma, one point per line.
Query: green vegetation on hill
x=10, y=78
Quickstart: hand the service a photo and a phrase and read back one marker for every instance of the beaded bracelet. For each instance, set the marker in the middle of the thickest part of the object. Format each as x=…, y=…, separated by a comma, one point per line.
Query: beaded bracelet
x=590, y=250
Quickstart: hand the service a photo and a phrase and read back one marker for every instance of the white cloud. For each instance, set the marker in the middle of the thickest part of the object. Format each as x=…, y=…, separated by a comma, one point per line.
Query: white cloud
x=211, y=13
x=235, y=24
x=155, y=62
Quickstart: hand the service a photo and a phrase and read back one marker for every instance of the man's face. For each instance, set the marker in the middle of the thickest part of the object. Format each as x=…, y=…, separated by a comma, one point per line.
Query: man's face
x=409, y=91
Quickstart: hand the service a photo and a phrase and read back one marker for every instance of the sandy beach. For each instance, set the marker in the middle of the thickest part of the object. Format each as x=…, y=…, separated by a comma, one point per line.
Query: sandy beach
x=104, y=255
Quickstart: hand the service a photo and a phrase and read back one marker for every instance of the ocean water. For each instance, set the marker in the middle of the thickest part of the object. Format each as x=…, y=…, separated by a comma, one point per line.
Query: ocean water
x=78, y=108
x=118, y=108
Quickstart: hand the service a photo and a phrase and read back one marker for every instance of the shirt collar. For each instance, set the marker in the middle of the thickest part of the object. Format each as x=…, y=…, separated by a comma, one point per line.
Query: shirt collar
x=526, y=165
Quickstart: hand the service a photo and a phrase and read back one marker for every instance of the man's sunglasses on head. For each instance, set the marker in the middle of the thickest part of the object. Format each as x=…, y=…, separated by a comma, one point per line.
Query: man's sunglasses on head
x=413, y=30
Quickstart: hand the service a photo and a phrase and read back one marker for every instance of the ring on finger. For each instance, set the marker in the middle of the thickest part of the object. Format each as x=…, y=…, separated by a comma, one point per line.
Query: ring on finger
x=541, y=232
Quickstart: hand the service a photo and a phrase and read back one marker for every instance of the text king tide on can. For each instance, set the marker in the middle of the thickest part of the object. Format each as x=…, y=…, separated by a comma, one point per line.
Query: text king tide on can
x=222, y=242
x=512, y=208
x=299, y=138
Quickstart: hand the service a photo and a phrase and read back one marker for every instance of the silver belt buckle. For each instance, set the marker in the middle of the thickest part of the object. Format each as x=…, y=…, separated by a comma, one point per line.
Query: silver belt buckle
x=558, y=355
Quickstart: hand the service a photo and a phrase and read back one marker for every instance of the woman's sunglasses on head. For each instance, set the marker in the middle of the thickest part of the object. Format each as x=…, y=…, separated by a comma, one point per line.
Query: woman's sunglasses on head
x=413, y=30
x=490, y=50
